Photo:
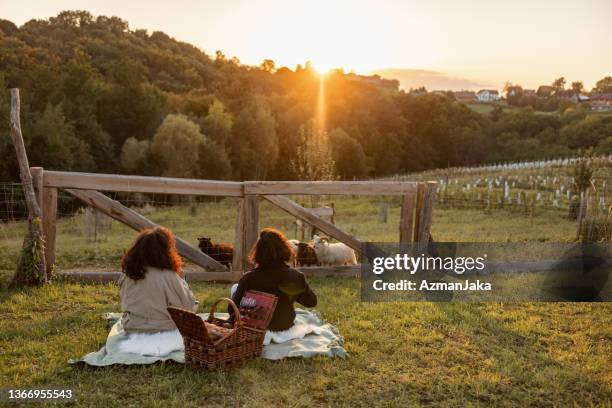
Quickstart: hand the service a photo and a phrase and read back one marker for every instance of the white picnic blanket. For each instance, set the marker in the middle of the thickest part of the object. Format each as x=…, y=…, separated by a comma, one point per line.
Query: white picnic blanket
x=308, y=337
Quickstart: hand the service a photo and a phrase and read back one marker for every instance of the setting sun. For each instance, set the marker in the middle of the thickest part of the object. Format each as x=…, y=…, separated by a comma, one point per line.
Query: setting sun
x=323, y=68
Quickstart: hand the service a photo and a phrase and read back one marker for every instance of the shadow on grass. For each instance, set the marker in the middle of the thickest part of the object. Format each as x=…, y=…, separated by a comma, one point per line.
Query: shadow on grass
x=527, y=366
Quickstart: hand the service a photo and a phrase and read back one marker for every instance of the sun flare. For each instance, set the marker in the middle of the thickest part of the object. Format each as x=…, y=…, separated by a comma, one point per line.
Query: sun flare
x=322, y=67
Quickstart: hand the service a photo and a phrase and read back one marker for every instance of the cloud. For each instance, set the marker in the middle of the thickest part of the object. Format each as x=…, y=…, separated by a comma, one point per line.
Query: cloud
x=432, y=80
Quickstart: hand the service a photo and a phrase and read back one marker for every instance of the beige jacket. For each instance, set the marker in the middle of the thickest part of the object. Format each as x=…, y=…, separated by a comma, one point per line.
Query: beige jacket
x=144, y=301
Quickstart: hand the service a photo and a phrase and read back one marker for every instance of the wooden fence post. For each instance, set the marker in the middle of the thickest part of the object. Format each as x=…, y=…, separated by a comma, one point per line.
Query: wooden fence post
x=247, y=231
x=425, y=213
x=582, y=212
x=251, y=225
x=418, y=211
x=238, y=261
x=406, y=232
x=34, y=212
x=37, y=183
x=49, y=214
x=47, y=202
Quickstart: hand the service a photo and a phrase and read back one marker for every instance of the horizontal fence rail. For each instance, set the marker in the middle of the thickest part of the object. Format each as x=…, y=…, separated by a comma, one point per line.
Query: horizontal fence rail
x=330, y=187
x=168, y=185
x=141, y=184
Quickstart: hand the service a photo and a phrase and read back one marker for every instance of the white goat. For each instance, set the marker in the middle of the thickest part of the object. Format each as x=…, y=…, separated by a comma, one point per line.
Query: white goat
x=333, y=254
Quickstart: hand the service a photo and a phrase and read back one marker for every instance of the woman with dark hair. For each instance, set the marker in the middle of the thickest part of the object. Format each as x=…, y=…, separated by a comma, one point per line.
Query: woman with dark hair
x=272, y=274
x=153, y=280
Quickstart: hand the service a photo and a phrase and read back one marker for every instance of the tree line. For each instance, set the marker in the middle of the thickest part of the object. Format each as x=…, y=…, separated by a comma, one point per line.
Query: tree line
x=98, y=96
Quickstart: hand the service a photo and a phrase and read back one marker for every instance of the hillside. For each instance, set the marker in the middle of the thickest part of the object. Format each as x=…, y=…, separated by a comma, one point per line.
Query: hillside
x=100, y=96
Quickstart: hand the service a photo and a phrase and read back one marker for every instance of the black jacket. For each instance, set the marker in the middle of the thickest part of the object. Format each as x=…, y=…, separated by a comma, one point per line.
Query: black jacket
x=286, y=283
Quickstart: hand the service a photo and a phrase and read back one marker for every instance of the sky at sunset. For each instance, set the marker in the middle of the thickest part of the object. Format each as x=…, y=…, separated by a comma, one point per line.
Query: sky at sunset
x=442, y=44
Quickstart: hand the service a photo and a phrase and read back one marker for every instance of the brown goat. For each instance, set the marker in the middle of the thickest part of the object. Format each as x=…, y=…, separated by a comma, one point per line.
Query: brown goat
x=306, y=255
x=222, y=253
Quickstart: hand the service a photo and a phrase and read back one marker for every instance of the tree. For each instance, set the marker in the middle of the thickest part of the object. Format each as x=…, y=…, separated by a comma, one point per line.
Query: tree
x=135, y=155
x=8, y=165
x=72, y=18
x=510, y=146
x=213, y=161
x=348, y=155
x=577, y=86
x=582, y=174
x=54, y=143
x=514, y=93
x=604, y=146
x=7, y=27
x=217, y=124
x=314, y=159
x=469, y=145
x=586, y=133
x=604, y=85
x=220, y=57
x=268, y=65
x=496, y=113
x=254, y=146
x=559, y=84
x=176, y=145
x=421, y=90
x=135, y=110
x=81, y=90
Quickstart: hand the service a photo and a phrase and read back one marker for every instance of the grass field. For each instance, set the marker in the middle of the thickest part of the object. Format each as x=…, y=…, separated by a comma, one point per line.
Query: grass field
x=401, y=354
x=484, y=107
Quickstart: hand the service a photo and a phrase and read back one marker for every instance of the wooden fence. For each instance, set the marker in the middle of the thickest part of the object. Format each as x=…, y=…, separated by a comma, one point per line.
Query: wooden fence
x=415, y=218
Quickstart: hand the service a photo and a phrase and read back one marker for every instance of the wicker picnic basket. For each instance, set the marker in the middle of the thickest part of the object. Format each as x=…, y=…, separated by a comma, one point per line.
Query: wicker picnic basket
x=210, y=345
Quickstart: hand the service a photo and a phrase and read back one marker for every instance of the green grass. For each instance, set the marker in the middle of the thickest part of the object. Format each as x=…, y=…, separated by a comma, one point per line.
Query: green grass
x=484, y=107
x=481, y=108
x=401, y=354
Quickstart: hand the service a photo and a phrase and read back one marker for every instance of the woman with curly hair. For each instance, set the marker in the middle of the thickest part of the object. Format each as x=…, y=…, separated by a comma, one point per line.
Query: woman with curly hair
x=272, y=274
x=153, y=280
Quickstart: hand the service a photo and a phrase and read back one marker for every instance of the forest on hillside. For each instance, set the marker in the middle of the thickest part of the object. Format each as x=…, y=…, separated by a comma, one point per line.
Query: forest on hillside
x=98, y=96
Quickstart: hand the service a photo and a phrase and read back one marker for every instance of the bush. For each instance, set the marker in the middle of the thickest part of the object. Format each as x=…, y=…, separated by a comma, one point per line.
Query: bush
x=596, y=228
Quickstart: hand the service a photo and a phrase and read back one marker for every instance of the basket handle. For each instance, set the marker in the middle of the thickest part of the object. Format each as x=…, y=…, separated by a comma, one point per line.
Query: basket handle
x=211, y=314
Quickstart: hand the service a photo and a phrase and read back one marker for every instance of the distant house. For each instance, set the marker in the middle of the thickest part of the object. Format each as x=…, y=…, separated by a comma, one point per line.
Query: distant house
x=544, y=91
x=529, y=92
x=601, y=102
x=465, y=96
x=488, y=95
x=569, y=95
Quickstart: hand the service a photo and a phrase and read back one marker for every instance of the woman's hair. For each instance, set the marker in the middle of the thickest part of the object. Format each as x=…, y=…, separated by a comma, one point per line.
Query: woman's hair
x=272, y=248
x=153, y=247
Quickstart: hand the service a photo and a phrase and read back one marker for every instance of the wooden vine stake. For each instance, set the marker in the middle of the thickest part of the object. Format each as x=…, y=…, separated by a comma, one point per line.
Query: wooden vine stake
x=31, y=268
